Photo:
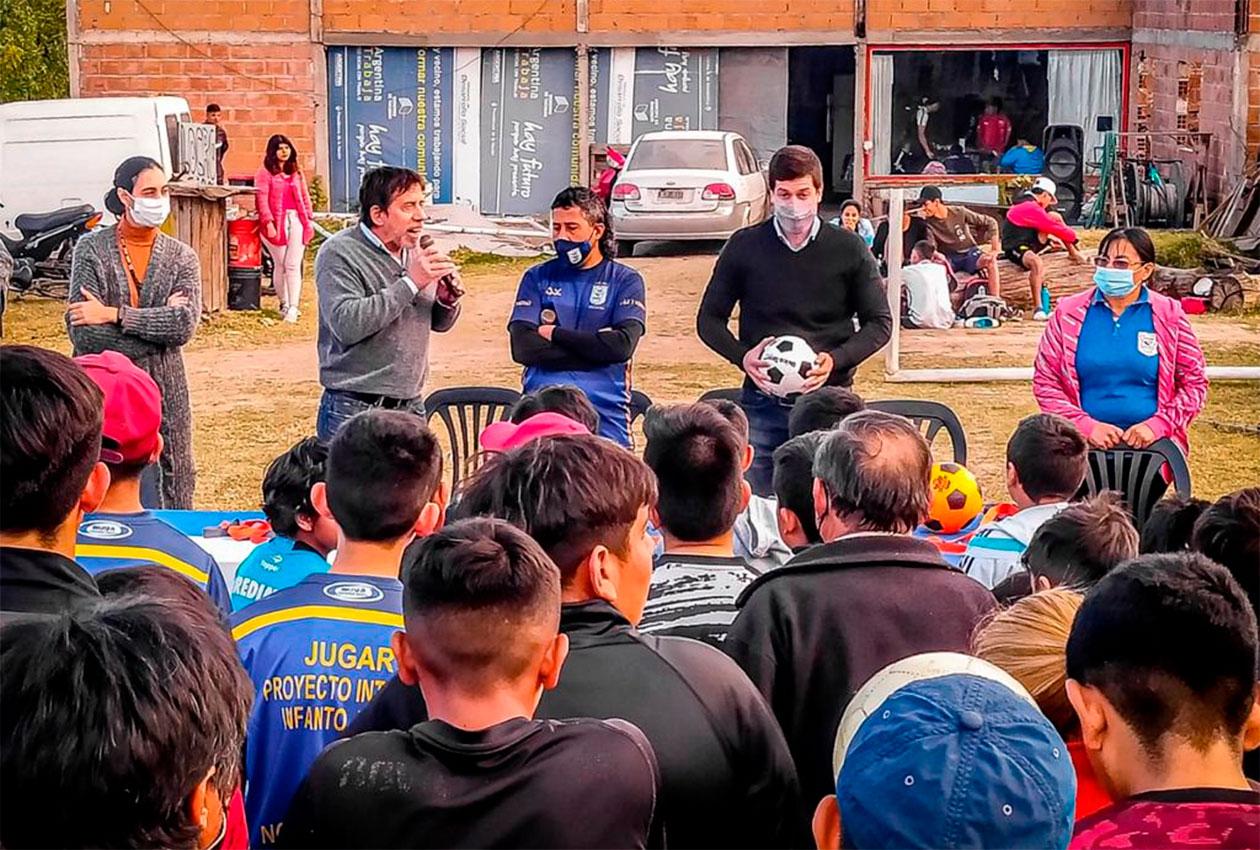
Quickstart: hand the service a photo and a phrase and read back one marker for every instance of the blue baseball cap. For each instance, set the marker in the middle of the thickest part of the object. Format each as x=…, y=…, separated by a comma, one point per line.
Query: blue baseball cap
x=959, y=760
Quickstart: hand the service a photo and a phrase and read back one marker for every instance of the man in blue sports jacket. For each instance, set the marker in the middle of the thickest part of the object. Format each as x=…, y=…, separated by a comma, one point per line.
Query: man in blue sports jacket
x=578, y=318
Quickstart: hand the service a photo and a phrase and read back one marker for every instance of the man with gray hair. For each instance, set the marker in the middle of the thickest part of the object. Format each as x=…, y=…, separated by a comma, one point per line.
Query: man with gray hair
x=809, y=634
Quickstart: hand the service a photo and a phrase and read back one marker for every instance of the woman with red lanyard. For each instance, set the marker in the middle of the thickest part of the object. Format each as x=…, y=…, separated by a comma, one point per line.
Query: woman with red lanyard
x=137, y=291
x=284, y=211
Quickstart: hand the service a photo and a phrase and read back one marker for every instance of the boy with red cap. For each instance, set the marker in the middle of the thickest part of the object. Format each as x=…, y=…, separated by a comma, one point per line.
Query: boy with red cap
x=121, y=532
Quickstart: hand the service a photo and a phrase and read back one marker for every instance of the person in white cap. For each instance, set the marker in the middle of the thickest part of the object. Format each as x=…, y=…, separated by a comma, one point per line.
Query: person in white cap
x=1031, y=229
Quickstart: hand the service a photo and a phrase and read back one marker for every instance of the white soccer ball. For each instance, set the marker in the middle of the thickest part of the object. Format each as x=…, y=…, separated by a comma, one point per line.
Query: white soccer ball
x=927, y=665
x=788, y=360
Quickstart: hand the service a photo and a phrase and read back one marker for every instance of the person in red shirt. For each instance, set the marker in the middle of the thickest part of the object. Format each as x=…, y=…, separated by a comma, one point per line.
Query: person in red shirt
x=1161, y=665
x=993, y=132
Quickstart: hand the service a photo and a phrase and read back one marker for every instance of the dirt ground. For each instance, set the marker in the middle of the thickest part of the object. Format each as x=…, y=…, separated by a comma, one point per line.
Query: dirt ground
x=254, y=381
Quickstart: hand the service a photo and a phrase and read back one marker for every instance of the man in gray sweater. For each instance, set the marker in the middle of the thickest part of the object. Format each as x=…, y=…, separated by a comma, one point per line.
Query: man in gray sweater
x=380, y=294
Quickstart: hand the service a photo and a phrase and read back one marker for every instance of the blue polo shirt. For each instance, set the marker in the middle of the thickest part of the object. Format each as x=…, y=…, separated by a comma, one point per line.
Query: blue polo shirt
x=317, y=653
x=587, y=300
x=1117, y=361
x=114, y=541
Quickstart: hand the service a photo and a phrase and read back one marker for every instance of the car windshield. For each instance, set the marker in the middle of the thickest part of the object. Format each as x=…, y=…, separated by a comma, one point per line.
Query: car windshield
x=706, y=154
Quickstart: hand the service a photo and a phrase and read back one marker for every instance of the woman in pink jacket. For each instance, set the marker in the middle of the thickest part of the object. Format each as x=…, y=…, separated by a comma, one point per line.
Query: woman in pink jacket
x=284, y=211
x=1119, y=360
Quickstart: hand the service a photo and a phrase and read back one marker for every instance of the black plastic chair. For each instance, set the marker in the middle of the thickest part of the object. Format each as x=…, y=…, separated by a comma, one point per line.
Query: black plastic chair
x=465, y=411
x=1138, y=475
x=930, y=417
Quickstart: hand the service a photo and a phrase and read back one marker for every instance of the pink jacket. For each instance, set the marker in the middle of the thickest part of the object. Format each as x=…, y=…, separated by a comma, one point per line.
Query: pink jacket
x=1032, y=214
x=270, y=203
x=1182, y=384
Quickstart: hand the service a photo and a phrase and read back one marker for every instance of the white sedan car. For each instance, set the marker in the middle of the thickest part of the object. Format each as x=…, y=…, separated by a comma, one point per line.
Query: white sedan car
x=687, y=185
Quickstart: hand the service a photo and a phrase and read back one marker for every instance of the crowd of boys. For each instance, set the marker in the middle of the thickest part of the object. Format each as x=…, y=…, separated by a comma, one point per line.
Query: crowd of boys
x=582, y=648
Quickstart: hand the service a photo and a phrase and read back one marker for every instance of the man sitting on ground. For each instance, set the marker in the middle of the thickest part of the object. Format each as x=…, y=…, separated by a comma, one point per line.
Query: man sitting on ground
x=810, y=633
x=727, y=776
x=1045, y=465
x=304, y=537
x=1032, y=229
x=482, y=609
x=50, y=476
x=565, y=399
x=319, y=650
x=120, y=532
x=794, y=490
x=123, y=725
x=968, y=239
x=696, y=455
x=1161, y=667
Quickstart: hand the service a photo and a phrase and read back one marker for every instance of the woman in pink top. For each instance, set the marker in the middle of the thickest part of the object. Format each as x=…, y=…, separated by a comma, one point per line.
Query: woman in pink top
x=284, y=210
x=1120, y=361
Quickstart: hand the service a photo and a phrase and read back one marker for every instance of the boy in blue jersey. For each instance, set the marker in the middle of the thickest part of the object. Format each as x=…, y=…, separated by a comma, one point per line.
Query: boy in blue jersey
x=482, y=607
x=304, y=536
x=579, y=317
x=317, y=652
x=120, y=532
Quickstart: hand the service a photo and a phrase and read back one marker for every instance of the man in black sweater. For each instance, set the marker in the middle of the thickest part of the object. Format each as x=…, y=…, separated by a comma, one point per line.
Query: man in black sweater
x=727, y=778
x=810, y=633
x=792, y=276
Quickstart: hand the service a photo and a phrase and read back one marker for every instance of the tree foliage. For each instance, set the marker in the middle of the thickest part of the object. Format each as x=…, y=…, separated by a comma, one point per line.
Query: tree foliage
x=33, y=60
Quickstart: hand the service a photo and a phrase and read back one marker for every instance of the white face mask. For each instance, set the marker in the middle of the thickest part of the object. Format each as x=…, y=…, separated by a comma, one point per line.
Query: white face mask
x=150, y=212
x=795, y=212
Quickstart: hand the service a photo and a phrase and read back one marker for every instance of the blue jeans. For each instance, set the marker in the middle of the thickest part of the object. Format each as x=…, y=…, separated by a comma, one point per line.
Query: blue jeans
x=767, y=430
x=337, y=407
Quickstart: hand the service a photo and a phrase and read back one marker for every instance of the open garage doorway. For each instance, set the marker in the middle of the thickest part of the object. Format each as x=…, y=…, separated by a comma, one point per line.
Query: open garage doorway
x=820, y=111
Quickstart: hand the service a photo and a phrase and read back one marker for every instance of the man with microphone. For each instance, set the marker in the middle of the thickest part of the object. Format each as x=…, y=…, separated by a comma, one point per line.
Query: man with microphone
x=382, y=288
x=792, y=275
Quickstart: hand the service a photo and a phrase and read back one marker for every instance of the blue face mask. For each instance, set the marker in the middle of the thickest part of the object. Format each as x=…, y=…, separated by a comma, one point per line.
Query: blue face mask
x=573, y=253
x=1114, y=283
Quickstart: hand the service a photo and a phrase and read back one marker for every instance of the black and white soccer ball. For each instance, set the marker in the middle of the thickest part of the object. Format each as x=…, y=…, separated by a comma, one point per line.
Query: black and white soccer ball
x=789, y=361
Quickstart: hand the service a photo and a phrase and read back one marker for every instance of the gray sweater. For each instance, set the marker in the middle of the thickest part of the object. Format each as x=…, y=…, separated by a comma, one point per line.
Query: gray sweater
x=150, y=335
x=373, y=333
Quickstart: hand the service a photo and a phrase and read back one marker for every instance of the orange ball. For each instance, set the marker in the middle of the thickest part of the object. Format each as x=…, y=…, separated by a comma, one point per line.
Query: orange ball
x=956, y=498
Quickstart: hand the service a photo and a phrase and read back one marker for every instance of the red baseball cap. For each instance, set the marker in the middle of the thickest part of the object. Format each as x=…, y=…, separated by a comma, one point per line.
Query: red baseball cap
x=133, y=406
x=505, y=436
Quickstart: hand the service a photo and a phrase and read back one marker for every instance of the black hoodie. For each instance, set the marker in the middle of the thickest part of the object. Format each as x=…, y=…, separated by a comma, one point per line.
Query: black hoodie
x=727, y=776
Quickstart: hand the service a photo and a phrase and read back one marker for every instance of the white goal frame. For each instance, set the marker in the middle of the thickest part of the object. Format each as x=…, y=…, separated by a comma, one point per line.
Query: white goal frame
x=966, y=374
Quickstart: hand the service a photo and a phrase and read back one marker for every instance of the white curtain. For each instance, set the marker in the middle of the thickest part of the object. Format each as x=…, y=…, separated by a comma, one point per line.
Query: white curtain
x=881, y=112
x=1084, y=84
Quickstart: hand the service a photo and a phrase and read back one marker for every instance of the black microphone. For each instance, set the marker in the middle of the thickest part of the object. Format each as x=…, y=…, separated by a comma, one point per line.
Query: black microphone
x=449, y=281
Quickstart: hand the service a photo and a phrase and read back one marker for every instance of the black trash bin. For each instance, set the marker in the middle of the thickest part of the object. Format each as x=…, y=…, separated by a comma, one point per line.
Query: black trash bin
x=244, y=289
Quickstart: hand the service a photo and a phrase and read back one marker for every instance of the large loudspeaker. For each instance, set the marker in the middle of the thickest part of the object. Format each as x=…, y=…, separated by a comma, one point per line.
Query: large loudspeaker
x=1064, y=147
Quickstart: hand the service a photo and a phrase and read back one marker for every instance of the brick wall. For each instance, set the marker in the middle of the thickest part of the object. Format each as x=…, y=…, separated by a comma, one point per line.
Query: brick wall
x=1203, y=15
x=1215, y=105
x=194, y=15
x=1253, y=99
x=449, y=16
x=263, y=88
x=722, y=16
x=886, y=15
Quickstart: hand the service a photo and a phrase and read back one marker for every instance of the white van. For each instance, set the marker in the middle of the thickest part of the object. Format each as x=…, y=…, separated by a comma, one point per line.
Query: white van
x=60, y=153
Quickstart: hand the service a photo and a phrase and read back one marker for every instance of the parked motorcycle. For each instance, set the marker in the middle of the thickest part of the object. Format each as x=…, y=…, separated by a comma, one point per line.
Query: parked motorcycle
x=41, y=257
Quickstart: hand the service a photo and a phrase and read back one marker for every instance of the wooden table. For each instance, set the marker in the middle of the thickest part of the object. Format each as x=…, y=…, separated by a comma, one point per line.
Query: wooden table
x=199, y=213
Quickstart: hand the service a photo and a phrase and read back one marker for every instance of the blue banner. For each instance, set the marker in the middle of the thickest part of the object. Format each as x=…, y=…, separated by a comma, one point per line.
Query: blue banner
x=389, y=106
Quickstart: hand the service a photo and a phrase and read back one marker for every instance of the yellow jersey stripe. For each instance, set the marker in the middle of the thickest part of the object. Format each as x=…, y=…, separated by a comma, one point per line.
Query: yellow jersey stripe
x=143, y=553
x=317, y=612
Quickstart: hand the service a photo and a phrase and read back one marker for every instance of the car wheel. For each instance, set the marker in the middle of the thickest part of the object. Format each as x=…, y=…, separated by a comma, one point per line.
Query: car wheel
x=625, y=248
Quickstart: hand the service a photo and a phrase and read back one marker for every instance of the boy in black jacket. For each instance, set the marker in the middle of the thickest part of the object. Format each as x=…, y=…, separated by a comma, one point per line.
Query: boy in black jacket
x=811, y=633
x=727, y=775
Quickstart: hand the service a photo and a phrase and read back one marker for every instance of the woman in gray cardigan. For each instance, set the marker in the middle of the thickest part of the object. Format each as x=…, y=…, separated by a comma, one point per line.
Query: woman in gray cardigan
x=137, y=291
